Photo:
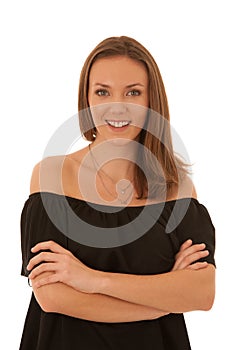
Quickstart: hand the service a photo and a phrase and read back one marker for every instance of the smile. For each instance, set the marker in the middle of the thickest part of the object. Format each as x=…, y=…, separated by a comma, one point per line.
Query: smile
x=118, y=124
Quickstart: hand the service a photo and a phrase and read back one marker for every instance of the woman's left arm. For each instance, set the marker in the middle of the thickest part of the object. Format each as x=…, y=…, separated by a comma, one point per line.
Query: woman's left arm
x=176, y=291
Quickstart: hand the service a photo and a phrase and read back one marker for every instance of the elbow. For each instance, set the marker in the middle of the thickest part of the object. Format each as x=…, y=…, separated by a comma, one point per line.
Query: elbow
x=46, y=306
x=208, y=301
x=45, y=295
x=207, y=292
x=202, y=301
x=42, y=296
x=207, y=297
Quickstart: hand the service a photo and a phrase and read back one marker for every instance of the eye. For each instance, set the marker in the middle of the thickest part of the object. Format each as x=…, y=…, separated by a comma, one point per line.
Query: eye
x=102, y=92
x=134, y=93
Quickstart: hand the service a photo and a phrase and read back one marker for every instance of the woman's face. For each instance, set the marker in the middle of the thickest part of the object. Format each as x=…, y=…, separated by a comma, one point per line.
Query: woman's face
x=118, y=97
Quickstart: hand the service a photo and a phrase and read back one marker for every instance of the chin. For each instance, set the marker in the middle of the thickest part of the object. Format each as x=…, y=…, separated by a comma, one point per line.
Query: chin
x=119, y=141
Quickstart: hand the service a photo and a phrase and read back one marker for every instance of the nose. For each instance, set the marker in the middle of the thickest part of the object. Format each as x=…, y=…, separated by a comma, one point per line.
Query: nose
x=117, y=108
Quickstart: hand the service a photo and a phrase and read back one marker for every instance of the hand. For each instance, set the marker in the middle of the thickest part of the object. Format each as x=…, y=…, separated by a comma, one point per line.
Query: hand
x=64, y=267
x=188, y=254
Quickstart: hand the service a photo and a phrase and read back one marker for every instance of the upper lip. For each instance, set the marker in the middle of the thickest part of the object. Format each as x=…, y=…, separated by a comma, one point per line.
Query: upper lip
x=114, y=120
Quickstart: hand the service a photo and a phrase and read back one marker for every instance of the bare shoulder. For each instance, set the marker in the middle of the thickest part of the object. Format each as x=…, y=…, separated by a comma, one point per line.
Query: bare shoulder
x=57, y=174
x=46, y=175
x=186, y=188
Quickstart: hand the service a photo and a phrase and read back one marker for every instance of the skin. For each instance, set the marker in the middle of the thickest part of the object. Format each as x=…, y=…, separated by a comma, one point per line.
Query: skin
x=118, y=90
x=62, y=283
x=166, y=293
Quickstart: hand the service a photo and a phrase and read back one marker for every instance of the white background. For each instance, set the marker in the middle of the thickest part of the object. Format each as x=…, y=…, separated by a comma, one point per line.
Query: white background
x=43, y=47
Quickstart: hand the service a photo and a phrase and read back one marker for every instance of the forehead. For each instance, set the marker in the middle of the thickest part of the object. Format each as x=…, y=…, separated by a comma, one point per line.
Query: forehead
x=119, y=69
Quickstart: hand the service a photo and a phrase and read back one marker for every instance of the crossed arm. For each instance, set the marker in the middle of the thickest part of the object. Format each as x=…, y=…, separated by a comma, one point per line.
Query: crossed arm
x=65, y=285
x=63, y=299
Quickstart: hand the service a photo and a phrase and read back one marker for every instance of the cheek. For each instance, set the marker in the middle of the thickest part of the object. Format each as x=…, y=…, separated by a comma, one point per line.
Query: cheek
x=98, y=112
x=138, y=115
x=141, y=119
x=92, y=100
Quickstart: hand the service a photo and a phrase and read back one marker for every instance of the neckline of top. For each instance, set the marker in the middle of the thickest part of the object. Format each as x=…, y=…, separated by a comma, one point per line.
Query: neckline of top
x=114, y=206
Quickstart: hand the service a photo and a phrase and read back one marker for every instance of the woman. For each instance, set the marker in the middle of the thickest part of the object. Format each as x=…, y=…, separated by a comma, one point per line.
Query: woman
x=130, y=289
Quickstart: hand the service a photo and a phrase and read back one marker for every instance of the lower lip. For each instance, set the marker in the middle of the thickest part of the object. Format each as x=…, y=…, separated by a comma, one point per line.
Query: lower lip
x=118, y=129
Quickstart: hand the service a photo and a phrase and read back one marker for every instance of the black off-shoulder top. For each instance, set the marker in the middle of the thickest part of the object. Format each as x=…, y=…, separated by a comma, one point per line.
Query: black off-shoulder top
x=134, y=240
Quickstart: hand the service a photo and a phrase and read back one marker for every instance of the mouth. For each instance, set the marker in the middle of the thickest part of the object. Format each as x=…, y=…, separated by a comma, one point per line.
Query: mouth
x=118, y=124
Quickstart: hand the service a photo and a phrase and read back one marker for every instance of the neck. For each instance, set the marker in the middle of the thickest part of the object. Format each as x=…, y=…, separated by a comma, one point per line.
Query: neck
x=115, y=159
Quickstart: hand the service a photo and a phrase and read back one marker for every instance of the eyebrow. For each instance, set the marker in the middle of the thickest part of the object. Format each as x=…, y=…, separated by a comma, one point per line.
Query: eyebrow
x=128, y=86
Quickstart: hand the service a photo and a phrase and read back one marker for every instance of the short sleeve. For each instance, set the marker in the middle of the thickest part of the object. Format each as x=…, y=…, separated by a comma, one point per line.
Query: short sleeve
x=195, y=223
x=36, y=226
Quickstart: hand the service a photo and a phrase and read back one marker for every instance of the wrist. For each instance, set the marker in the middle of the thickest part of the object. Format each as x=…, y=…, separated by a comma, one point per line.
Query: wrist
x=101, y=281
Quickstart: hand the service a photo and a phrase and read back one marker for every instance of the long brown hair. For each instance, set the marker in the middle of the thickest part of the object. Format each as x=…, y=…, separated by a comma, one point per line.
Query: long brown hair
x=171, y=168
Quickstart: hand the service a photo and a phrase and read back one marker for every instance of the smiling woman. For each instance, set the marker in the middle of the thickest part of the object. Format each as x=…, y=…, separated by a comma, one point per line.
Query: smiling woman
x=122, y=74
x=115, y=83
x=105, y=294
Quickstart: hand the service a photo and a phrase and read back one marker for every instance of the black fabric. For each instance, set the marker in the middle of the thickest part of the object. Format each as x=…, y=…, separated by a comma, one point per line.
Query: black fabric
x=152, y=253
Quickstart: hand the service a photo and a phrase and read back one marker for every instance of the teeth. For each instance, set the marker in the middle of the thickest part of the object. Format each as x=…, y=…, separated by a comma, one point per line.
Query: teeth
x=117, y=124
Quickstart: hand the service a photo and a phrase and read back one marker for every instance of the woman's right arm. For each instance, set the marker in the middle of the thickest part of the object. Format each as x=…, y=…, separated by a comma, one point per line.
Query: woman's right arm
x=63, y=299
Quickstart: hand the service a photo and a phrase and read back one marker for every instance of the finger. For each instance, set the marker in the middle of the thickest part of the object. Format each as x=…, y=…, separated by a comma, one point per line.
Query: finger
x=186, y=245
x=47, y=267
x=183, y=247
x=51, y=245
x=175, y=267
x=190, y=250
x=190, y=259
x=198, y=265
x=54, y=278
x=42, y=257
